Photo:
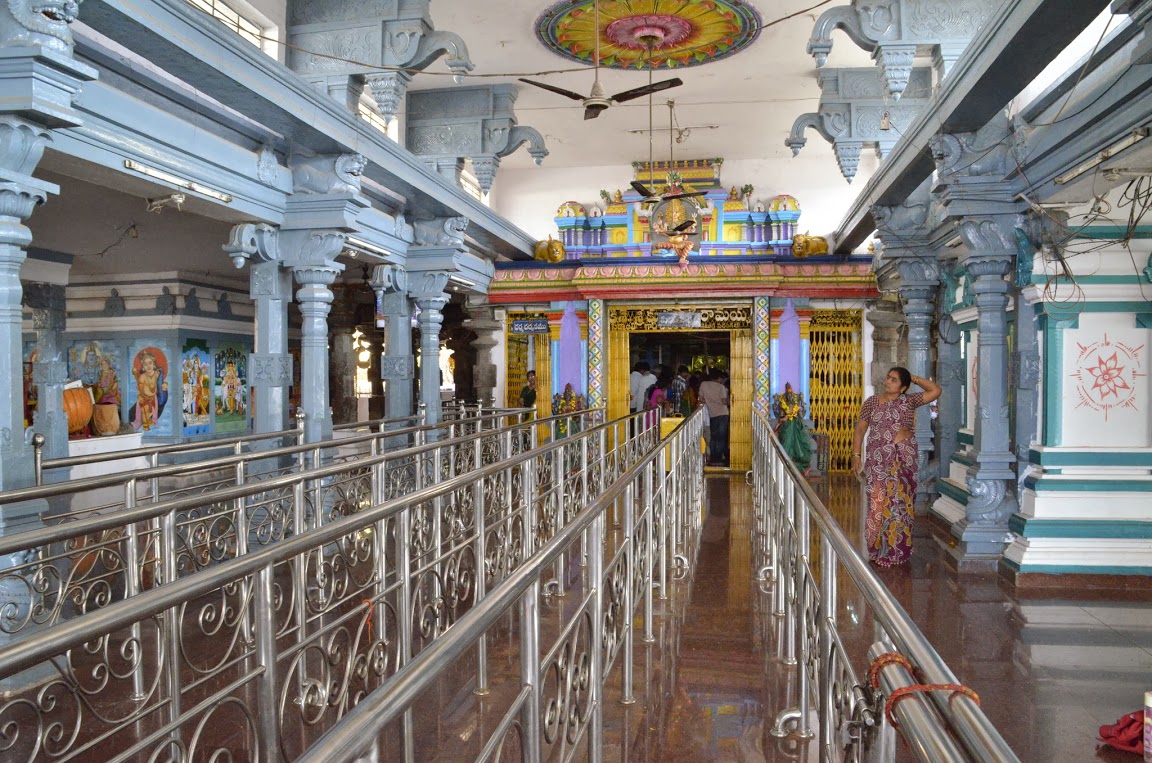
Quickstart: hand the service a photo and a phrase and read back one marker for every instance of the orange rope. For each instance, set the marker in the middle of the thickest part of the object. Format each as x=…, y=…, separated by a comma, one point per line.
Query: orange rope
x=883, y=661
x=894, y=658
x=907, y=691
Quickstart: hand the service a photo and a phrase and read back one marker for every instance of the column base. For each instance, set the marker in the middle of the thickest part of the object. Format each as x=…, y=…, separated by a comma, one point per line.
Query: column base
x=17, y=470
x=980, y=541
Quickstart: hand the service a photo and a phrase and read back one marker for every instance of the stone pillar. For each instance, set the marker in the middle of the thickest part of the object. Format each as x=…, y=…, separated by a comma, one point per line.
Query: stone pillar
x=269, y=364
x=390, y=283
x=950, y=377
x=887, y=332
x=919, y=277
x=342, y=355
x=1038, y=230
x=429, y=296
x=51, y=370
x=991, y=489
x=488, y=331
x=315, y=301
x=20, y=193
x=318, y=217
x=972, y=188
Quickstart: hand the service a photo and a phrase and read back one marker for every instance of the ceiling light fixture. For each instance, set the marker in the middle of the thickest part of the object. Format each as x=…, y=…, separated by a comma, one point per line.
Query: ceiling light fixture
x=176, y=180
x=366, y=247
x=1134, y=137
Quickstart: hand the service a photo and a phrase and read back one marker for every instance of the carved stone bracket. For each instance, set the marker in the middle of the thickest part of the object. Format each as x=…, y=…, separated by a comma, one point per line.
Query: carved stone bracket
x=477, y=123
x=388, y=279
x=253, y=241
x=892, y=30
x=396, y=36
x=855, y=113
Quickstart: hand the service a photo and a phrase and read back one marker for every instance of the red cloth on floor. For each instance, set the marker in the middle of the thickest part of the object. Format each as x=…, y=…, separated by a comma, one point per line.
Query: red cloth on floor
x=1125, y=734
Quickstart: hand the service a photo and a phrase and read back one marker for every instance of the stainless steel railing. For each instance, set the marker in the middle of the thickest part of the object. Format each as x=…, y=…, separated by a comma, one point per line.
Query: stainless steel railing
x=552, y=707
x=809, y=560
x=69, y=567
x=156, y=481
x=272, y=647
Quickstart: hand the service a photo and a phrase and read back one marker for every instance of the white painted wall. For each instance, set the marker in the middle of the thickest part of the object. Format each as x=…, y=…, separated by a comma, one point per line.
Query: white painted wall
x=530, y=196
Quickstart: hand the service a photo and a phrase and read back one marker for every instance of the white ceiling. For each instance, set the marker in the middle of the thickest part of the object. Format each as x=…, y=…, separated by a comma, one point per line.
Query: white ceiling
x=754, y=96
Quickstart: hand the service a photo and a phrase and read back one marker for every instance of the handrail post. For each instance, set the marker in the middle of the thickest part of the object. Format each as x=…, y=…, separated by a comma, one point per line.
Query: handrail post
x=404, y=607
x=596, y=573
x=481, y=552
x=38, y=457
x=629, y=608
x=826, y=626
x=263, y=609
x=530, y=669
x=133, y=570
x=648, y=508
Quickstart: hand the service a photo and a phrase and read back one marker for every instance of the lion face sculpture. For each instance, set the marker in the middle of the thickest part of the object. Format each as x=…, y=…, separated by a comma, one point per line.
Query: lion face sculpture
x=39, y=22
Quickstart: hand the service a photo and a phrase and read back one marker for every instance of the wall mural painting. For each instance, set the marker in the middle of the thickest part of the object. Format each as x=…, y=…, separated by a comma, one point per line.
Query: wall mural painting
x=148, y=389
x=97, y=364
x=31, y=396
x=196, y=381
x=231, y=388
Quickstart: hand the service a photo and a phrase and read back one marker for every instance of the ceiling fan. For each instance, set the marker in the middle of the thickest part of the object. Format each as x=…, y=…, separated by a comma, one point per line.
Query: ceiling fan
x=650, y=196
x=598, y=100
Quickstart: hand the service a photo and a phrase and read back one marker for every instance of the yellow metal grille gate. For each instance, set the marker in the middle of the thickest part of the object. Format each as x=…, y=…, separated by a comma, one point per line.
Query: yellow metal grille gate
x=836, y=379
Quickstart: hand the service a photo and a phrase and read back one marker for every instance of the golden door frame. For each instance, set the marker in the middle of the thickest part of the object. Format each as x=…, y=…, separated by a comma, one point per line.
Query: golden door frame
x=736, y=319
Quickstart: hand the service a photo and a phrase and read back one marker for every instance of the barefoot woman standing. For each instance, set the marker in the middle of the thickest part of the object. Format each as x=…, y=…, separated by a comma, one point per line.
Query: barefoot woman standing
x=890, y=468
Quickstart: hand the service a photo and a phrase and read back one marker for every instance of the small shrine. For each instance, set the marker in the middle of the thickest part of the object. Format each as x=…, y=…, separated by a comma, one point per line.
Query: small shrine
x=677, y=267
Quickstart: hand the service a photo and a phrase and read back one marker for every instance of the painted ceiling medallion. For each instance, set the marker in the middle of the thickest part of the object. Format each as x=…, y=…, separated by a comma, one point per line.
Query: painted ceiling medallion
x=680, y=33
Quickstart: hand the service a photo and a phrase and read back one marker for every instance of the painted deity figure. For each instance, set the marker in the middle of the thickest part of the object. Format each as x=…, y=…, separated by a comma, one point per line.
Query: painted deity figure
x=789, y=410
x=231, y=384
x=90, y=368
x=203, y=391
x=149, y=382
x=108, y=386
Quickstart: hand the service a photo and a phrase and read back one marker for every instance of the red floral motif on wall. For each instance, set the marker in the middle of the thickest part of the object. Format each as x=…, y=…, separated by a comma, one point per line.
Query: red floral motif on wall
x=1107, y=375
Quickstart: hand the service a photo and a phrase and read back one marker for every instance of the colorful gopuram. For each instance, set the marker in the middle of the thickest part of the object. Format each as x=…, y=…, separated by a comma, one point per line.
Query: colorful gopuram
x=693, y=256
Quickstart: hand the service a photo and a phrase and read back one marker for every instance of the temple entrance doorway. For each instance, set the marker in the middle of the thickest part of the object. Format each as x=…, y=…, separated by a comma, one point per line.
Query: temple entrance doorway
x=700, y=351
x=649, y=332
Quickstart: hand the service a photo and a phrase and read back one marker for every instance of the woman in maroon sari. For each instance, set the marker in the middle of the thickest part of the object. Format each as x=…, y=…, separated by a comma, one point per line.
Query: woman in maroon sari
x=890, y=468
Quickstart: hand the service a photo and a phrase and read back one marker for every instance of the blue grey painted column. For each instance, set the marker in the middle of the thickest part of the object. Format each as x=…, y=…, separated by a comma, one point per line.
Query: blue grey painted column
x=919, y=278
x=428, y=294
x=1026, y=365
x=50, y=371
x=909, y=263
x=950, y=377
x=269, y=364
x=36, y=94
x=991, y=489
x=318, y=217
x=971, y=175
x=488, y=331
x=396, y=365
x=315, y=301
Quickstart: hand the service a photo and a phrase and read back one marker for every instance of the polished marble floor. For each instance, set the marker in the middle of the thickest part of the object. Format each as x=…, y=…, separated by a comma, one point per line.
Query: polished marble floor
x=1049, y=668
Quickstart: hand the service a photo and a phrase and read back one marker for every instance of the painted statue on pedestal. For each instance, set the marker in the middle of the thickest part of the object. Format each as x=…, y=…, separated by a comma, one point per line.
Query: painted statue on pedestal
x=789, y=411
